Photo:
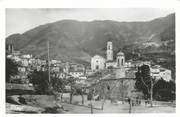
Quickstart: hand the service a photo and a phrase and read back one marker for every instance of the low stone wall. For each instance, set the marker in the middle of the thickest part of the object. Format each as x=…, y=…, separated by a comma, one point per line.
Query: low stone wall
x=114, y=89
x=18, y=86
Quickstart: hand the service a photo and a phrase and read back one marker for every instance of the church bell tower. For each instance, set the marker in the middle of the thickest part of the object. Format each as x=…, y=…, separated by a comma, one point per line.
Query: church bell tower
x=109, y=51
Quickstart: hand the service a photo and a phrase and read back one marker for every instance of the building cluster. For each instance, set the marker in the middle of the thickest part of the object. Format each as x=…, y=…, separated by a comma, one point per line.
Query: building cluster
x=118, y=66
x=27, y=63
x=126, y=69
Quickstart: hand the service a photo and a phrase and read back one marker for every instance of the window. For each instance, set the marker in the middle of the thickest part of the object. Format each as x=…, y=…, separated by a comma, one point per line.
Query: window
x=97, y=67
x=122, y=60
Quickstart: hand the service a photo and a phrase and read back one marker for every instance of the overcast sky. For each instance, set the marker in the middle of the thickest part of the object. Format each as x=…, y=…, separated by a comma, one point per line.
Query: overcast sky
x=21, y=20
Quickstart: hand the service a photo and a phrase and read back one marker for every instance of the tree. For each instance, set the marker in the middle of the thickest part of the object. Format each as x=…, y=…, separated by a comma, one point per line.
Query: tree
x=144, y=82
x=103, y=93
x=71, y=83
x=58, y=85
x=40, y=81
x=80, y=91
x=164, y=91
x=11, y=69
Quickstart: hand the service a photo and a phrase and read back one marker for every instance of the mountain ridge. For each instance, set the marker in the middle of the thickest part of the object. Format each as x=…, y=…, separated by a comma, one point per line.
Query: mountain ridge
x=72, y=40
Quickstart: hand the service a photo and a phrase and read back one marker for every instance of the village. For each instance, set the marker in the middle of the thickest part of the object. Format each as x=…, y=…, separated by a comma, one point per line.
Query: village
x=121, y=67
x=105, y=79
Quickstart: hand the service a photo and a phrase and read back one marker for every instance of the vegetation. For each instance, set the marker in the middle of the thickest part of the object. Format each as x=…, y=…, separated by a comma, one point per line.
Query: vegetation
x=11, y=69
x=40, y=81
x=57, y=86
x=144, y=82
x=168, y=34
x=154, y=89
x=80, y=91
x=164, y=91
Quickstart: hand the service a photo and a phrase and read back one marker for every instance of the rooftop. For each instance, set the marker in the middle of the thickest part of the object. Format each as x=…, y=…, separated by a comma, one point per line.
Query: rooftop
x=120, y=53
x=98, y=56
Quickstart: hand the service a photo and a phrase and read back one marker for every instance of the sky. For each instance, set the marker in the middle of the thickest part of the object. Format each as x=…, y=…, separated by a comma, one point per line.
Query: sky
x=22, y=20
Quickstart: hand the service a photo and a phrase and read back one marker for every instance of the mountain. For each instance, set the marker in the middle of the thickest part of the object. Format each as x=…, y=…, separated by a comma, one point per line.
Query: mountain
x=72, y=40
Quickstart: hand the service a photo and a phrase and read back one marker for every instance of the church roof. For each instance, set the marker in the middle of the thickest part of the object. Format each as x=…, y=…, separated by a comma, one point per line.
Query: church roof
x=120, y=53
x=98, y=56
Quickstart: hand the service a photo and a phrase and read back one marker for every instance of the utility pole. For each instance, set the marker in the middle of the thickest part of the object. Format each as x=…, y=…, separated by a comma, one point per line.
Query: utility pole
x=151, y=92
x=48, y=61
x=130, y=105
x=91, y=107
x=92, y=99
x=122, y=91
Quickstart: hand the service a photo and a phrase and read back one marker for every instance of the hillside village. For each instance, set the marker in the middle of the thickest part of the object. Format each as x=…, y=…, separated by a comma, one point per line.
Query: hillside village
x=99, y=66
x=121, y=67
x=114, y=78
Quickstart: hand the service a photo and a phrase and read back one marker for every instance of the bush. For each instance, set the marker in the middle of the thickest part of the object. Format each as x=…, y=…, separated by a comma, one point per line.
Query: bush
x=39, y=79
x=11, y=69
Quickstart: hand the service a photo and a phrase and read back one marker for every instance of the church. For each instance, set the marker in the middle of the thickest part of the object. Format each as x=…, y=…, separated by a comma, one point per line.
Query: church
x=114, y=75
x=100, y=63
